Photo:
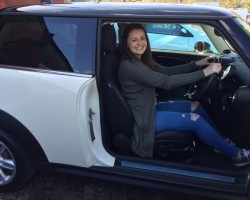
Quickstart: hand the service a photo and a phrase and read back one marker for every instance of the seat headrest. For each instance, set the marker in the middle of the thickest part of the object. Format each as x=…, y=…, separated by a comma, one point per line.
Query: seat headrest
x=108, y=39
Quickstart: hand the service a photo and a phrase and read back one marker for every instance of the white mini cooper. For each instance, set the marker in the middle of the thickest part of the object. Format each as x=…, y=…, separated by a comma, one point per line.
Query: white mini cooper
x=61, y=106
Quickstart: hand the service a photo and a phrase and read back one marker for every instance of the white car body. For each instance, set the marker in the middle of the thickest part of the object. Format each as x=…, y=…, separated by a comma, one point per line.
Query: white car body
x=61, y=107
x=33, y=99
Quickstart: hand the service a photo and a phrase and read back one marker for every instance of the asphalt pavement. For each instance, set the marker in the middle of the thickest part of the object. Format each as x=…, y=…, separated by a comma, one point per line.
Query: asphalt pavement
x=55, y=186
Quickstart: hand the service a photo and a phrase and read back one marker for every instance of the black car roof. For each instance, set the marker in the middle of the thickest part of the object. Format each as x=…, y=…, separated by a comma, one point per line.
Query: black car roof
x=148, y=10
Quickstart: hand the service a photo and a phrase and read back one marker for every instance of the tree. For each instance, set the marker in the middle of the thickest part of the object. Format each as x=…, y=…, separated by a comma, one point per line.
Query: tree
x=248, y=5
x=234, y=3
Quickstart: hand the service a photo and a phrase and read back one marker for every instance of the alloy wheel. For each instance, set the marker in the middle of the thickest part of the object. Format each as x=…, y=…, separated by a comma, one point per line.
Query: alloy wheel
x=7, y=165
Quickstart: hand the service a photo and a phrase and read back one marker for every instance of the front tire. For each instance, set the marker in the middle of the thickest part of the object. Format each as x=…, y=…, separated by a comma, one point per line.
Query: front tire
x=15, y=165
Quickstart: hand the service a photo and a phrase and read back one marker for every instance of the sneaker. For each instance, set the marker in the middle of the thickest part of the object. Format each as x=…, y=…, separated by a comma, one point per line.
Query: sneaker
x=245, y=158
x=227, y=140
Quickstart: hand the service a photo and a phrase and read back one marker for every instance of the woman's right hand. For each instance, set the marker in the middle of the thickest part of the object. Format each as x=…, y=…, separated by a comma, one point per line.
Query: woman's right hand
x=212, y=68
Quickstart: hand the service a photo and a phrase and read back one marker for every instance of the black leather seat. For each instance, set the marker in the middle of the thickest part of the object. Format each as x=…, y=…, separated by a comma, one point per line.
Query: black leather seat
x=167, y=144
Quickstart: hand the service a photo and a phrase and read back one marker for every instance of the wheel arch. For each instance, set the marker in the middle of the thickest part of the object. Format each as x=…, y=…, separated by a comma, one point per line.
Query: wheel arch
x=13, y=127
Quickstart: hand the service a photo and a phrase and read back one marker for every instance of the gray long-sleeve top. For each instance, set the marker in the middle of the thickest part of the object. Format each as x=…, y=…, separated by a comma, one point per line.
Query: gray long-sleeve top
x=138, y=83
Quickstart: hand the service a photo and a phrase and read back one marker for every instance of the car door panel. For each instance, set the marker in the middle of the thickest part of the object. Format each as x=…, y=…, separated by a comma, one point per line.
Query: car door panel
x=56, y=107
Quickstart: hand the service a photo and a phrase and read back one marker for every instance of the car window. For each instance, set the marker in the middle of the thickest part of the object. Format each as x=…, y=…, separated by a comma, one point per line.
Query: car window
x=176, y=37
x=51, y=43
x=168, y=29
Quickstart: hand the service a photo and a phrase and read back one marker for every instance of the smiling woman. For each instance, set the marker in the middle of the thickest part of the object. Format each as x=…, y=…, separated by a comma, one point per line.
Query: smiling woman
x=137, y=42
x=137, y=69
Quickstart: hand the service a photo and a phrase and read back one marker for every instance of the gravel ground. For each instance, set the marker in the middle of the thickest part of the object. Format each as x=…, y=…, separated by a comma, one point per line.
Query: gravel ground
x=56, y=186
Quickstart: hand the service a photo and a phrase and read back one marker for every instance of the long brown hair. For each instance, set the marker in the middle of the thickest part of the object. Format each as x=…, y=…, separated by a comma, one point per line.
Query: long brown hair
x=146, y=57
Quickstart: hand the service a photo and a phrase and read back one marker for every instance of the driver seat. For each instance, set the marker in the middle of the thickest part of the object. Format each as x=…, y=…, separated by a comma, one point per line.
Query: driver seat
x=117, y=113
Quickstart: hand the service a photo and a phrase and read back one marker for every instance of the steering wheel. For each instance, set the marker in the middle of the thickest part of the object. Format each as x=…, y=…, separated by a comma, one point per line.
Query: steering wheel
x=200, y=88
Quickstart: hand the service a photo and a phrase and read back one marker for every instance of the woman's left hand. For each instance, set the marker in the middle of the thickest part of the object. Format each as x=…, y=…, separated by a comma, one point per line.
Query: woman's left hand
x=202, y=62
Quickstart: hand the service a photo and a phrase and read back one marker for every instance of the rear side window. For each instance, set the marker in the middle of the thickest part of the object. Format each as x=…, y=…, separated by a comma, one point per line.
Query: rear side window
x=52, y=43
x=168, y=29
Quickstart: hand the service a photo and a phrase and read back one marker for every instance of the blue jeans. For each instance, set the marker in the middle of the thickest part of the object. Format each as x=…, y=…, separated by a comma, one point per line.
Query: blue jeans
x=176, y=115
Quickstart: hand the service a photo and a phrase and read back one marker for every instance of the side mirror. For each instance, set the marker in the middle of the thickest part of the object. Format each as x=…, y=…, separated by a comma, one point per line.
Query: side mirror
x=199, y=46
x=202, y=47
